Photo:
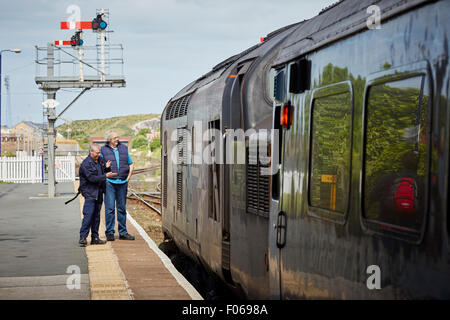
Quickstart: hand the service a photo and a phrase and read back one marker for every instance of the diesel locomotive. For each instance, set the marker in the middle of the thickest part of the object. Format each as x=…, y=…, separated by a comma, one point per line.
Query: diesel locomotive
x=316, y=163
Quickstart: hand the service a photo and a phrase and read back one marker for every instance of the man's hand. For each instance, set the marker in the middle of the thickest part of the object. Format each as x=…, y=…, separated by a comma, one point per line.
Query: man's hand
x=108, y=164
x=111, y=174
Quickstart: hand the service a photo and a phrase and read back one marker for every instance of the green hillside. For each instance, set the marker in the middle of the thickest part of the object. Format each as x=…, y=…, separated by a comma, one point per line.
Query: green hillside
x=81, y=130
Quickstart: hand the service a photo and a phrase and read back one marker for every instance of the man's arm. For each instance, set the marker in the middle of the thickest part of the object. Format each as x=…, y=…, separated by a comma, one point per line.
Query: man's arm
x=131, y=164
x=92, y=175
x=131, y=172
x=107, y=166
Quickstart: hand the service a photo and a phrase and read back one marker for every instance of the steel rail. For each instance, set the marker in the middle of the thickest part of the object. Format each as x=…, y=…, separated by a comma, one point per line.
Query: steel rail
x=145, y=202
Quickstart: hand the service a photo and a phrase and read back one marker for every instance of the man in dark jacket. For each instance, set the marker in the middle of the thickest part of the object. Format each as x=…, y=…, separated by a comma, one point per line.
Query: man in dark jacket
x=92, y=186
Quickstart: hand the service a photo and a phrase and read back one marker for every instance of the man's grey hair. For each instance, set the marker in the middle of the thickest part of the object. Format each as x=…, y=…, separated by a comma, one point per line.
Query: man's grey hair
x=94, y=147
x=109, y=135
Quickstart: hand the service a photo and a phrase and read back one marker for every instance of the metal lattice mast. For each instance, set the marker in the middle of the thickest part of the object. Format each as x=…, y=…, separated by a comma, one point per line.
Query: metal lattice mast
x=82, y=79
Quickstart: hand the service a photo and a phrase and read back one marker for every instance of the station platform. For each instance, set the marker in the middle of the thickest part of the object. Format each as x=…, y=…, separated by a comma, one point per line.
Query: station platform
x=40, y=258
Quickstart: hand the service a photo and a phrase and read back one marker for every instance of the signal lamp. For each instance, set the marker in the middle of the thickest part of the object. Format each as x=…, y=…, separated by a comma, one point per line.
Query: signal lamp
x=99, y=23
x=286, y=115
x=76, y=40
x=95, y=24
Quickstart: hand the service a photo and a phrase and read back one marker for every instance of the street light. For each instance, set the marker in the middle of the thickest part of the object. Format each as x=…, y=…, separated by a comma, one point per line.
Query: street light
x=1, y=51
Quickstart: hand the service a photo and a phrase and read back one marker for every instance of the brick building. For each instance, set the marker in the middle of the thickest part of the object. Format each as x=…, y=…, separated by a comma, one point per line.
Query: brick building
x=25, y=136
x=101, y=140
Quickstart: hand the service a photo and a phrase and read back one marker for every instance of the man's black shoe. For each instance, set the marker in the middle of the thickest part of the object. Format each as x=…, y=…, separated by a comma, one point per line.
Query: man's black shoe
x=110, y=237
x=83, y=242
x=126, y=237
x=97, y=241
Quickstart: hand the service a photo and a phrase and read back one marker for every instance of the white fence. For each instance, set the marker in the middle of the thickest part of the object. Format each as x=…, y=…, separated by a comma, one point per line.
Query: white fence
x=30, y=169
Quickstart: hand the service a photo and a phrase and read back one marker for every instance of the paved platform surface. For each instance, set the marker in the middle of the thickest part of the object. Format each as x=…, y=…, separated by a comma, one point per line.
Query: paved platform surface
x=136, y=269
x=147, y=275
x=106, y=280
x=39, y=255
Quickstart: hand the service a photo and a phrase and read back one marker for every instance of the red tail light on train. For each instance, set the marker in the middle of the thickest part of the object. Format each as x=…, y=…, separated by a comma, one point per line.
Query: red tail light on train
x=286, y=115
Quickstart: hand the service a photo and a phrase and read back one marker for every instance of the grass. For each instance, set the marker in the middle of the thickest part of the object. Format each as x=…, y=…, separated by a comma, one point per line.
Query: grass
x=147, y=219
x=123, y=125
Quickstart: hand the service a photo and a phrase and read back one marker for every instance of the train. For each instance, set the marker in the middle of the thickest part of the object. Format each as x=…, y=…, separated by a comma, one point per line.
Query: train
x=315, y=164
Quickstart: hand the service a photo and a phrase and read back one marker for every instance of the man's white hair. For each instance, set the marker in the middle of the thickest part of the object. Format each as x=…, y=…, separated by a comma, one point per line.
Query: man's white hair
x=109, y=135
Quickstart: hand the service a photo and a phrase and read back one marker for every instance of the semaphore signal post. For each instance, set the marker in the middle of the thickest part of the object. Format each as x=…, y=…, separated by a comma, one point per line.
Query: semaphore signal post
x=99, y=66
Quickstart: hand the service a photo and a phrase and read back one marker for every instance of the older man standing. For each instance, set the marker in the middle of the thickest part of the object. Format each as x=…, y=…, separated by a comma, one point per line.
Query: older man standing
x=117, y=187
x=92, y=187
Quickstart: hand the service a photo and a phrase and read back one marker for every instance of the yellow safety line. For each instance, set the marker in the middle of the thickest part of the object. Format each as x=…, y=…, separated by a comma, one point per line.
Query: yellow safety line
x=105, y=277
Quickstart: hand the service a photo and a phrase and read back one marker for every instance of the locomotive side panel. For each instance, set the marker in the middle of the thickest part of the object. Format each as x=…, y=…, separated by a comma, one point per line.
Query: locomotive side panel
x=331, y=240
x=249, y=188
x=209, y=229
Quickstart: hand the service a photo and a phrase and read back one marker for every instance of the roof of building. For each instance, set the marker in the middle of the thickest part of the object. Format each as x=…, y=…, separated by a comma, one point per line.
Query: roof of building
x=34, y=125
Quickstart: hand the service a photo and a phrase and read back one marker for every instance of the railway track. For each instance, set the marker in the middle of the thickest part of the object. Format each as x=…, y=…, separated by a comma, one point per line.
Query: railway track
x=209, y=286
x=150, y=201
x=147, y=169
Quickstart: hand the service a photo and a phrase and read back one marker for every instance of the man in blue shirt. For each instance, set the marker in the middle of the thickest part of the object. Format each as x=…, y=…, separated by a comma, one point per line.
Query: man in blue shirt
x=117, y=187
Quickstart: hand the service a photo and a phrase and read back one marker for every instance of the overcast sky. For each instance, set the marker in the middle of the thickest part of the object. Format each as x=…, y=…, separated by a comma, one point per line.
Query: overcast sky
x=167, y=44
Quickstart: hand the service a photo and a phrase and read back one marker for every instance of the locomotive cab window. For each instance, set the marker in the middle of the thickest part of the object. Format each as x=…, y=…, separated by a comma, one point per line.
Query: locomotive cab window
x=330, y=149
x=395, y=157
x=279, y=86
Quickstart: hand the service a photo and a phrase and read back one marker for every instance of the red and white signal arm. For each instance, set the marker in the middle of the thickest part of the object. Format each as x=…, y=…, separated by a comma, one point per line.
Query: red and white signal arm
x=62, y=42
x=76, y=25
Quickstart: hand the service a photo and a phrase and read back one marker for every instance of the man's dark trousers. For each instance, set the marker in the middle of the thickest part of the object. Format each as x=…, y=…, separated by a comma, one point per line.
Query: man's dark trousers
x=91, y=219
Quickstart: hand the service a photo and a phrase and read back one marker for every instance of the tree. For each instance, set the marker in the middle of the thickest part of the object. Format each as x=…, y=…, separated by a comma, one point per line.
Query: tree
x=155, y=144
x=139, y=142
x=143, y=132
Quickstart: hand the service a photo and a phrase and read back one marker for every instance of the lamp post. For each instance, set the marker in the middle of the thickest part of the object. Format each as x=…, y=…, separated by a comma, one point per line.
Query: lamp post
x=1, y=51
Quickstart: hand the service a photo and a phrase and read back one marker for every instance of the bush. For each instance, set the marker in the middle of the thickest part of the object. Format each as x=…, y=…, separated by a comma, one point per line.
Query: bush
x=84, y=140
x=8, y=154
x=155, y=144
x=139, y=142
x=143, y=132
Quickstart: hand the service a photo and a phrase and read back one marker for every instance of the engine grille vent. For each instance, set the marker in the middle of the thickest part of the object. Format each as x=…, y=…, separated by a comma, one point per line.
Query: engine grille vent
x=165, y=183
x=258, y=186
x=179, y=191
x=178, y=108
x=168, y=110
x=182, y=145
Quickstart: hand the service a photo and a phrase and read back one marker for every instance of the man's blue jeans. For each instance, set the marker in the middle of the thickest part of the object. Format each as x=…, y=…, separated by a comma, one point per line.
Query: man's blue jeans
x=116, y=194
x=91, y=219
